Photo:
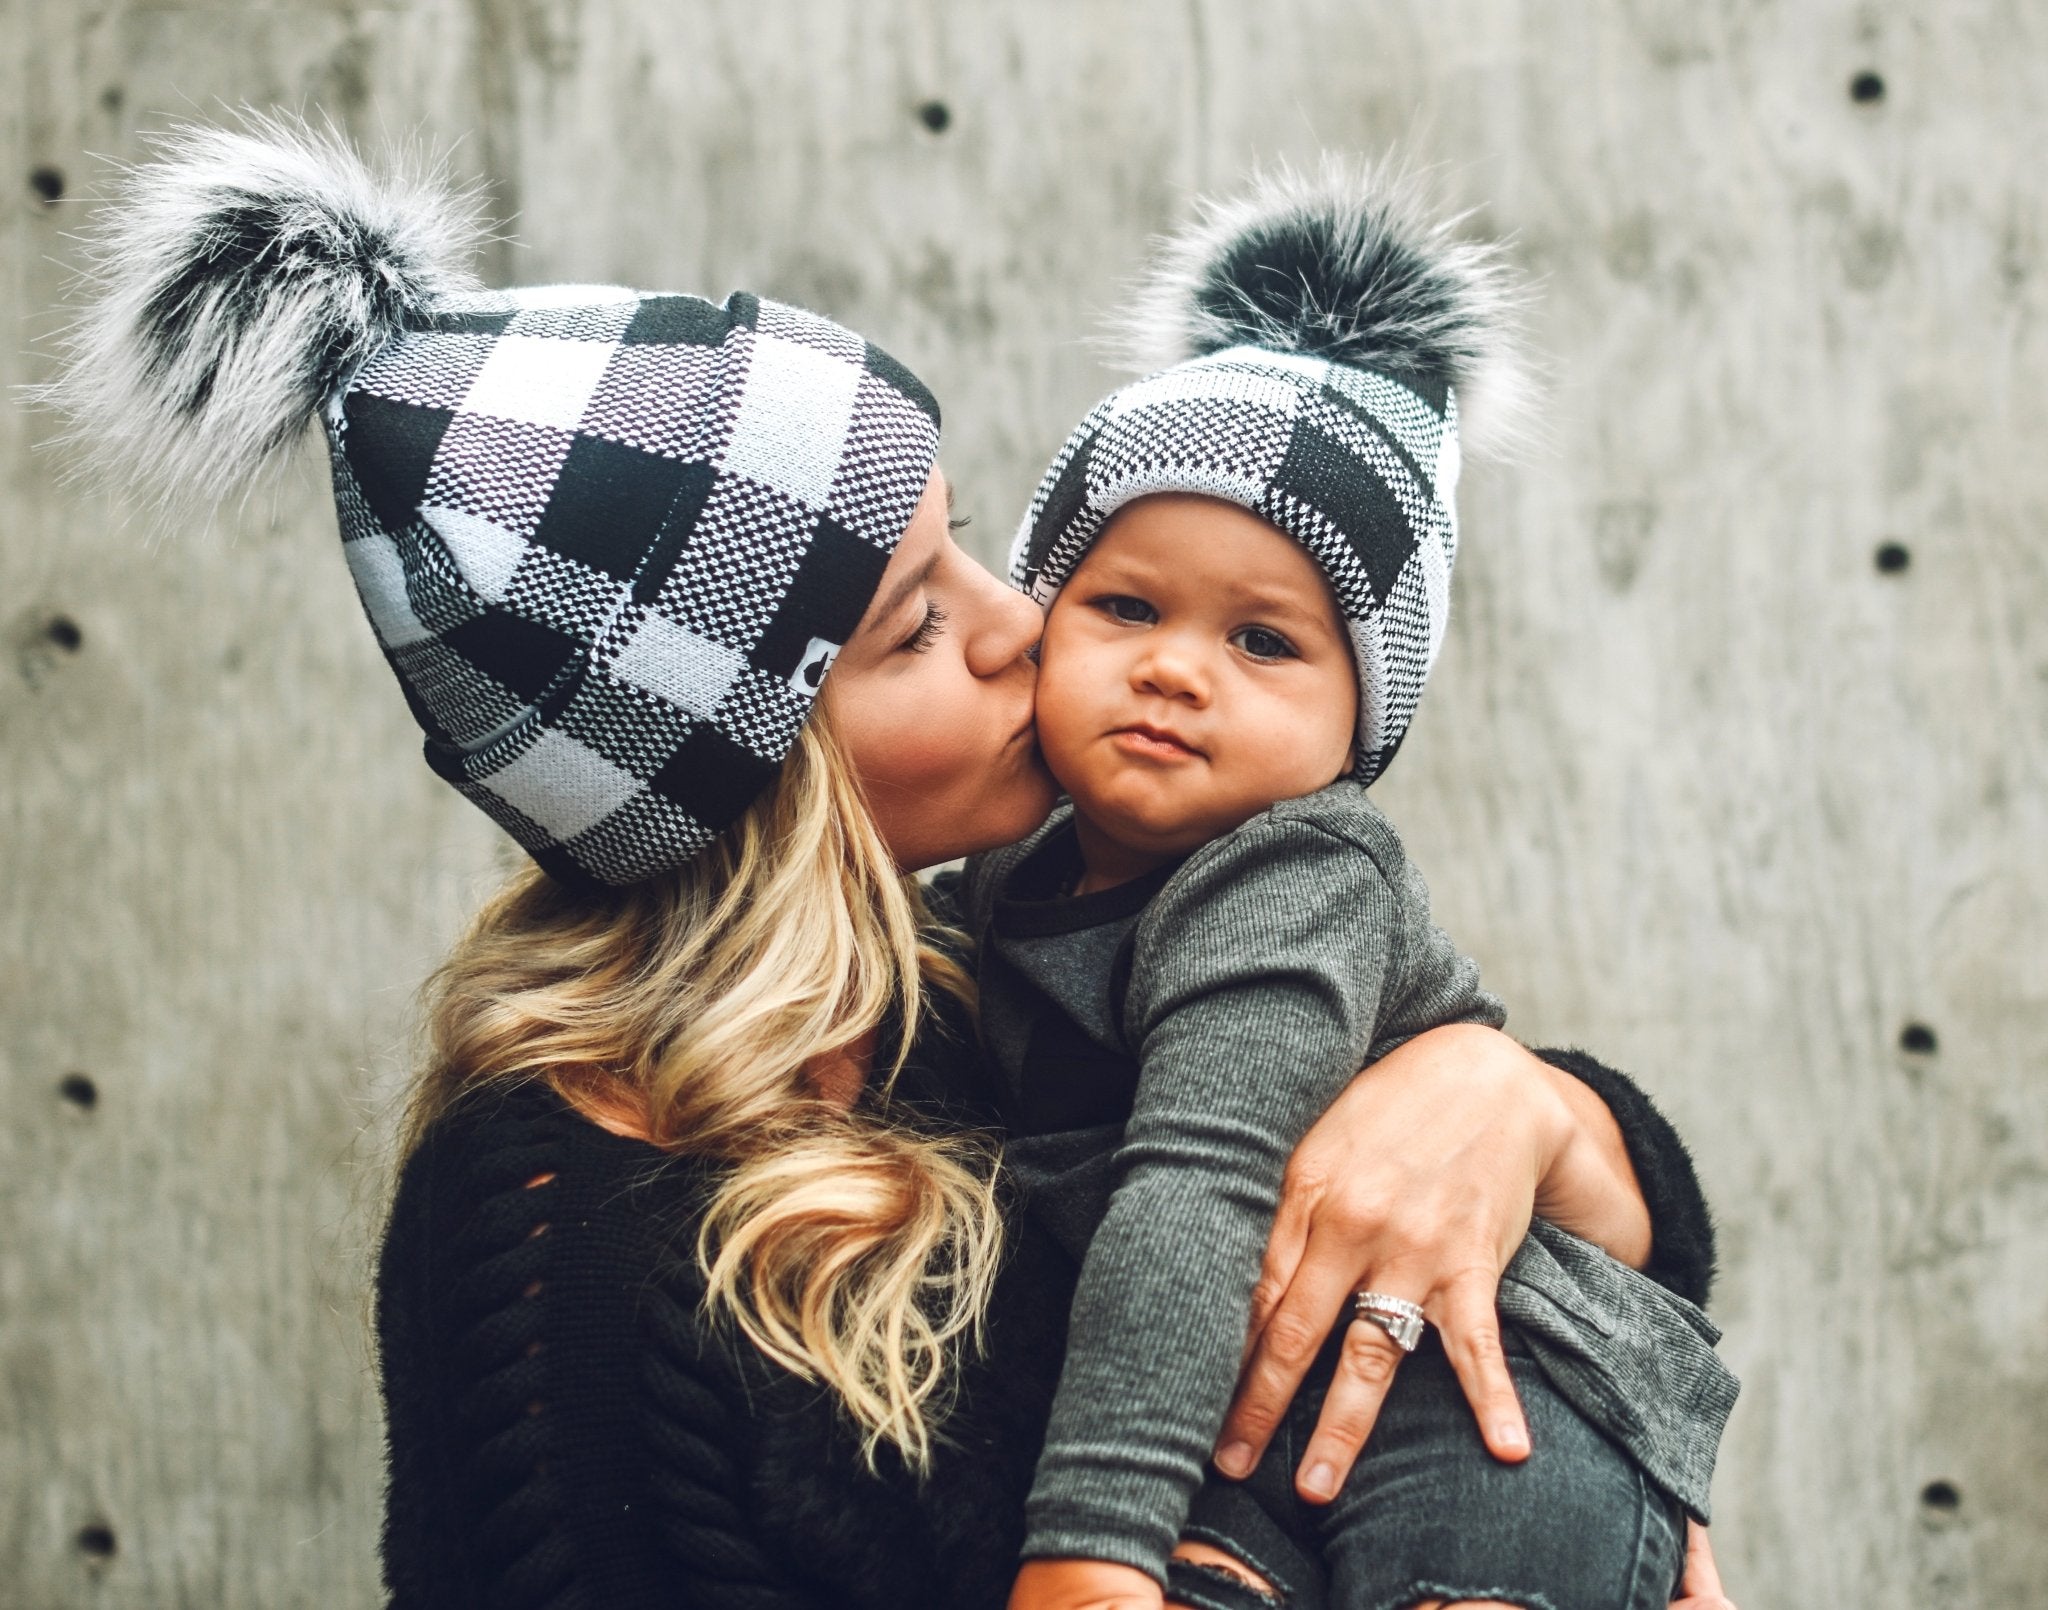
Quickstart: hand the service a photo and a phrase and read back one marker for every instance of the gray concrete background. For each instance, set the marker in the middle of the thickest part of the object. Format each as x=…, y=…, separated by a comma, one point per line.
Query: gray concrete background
x=1703, y=786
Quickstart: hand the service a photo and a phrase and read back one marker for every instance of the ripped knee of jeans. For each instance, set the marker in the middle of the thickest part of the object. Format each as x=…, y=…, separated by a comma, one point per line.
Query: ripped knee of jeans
x=1205, y=1577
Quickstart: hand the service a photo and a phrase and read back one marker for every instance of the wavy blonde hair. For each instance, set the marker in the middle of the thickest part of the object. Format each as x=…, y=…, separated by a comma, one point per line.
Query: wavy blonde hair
x=694, y=1009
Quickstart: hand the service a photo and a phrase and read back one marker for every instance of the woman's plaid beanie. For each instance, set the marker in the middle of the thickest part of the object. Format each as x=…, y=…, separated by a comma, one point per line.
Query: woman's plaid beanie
x=1326, y=339
x=609, y=540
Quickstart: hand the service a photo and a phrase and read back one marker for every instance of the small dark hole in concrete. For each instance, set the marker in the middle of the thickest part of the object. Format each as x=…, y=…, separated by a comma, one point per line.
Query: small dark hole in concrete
x=64, y=632
x=1917, y=1038
x=1941, y=1495
x=80, y=1091
x=112, y=97
x=936, y=116
x=1893, y=557
x=1866, y=88
x=49, y=184
x=97, y=1541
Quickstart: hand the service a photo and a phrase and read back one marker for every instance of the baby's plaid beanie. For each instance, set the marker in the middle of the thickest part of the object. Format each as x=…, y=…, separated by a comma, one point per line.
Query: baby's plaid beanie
x=610, y=541
x=1324, y=341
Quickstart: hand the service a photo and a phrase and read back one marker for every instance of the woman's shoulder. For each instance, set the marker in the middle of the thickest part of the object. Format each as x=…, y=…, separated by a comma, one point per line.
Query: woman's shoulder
x=549, y=1368
x=512, y=1154
x=515, y=1214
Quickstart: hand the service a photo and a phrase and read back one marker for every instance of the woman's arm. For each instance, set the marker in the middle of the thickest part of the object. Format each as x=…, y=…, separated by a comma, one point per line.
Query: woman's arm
x=1590, y=1186
x=1614, y=1108
x=1423, y=1176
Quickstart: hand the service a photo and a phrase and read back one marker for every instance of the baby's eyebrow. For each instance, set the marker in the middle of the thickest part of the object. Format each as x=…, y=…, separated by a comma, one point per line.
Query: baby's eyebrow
x=1306, y=608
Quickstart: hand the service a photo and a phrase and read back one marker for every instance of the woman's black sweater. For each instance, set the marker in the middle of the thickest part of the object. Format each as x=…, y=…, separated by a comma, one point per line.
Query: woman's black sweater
x=566, y=1429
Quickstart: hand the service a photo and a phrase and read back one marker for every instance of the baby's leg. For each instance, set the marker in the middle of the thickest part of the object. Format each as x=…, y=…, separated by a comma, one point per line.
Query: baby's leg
x=1235, y=1555
x=1463, y=1604
x=1211, y=1570
x=1429, y=1518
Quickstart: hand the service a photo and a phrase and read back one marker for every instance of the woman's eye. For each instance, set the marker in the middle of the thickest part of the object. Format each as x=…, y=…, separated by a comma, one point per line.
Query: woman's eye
x=1263, y=643
x=1123, y=608
x=927, y=630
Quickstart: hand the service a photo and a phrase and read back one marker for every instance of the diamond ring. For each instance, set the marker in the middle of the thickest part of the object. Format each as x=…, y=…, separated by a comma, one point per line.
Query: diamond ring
x=1397, y=1316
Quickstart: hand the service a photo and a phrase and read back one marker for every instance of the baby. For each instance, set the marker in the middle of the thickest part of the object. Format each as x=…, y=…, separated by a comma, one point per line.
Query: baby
x=1246, y=559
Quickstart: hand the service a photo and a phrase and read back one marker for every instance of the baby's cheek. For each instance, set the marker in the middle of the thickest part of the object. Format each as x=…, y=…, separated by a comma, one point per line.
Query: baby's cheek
x=1061, y=723
x=1289, y=759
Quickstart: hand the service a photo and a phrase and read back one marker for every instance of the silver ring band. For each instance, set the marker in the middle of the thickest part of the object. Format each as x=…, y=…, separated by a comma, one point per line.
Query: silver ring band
x=1397, y=1316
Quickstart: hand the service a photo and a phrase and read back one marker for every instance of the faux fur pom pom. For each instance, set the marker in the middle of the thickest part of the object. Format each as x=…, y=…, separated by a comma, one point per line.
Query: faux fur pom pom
x=1352, y=263
x=231, y=285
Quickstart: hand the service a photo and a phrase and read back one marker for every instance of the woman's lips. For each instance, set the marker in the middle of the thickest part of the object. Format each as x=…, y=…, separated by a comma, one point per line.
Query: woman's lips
x=1152, y=743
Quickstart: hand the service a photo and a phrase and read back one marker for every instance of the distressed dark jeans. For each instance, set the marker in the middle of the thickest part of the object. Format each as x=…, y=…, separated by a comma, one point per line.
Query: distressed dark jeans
x=1428, y=1513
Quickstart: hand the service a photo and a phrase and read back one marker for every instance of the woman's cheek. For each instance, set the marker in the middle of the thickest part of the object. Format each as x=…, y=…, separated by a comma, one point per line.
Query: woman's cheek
x=943, y=733
x=931, y=754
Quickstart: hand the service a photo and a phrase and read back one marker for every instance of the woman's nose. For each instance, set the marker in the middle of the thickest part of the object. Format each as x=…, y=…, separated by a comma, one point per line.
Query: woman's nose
x=1009, y=630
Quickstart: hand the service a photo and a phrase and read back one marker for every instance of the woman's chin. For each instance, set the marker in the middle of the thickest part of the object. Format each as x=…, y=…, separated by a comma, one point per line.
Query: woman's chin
x=1020, y=811
x=1028, y=808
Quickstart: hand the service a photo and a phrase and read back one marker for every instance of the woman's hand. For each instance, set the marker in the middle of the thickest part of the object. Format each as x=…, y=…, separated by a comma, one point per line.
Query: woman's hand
x=1700, y=1587
x=1083, y=1585
x=1419, y=1182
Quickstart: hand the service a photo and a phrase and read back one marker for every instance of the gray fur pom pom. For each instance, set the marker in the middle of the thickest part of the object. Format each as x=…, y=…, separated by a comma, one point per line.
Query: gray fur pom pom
x=1352, y=263
x=231, y=285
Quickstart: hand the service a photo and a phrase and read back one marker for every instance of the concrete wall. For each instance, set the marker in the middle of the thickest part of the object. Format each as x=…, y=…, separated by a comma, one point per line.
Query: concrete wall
x=1707, y=785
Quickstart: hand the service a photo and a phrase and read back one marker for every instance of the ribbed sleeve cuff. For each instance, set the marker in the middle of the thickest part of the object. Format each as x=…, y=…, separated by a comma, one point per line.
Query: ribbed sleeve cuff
x=1067, y=1531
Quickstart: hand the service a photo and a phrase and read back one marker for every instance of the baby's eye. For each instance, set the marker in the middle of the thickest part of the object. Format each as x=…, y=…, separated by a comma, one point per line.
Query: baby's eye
x=1120, y=606
x=1263, y=643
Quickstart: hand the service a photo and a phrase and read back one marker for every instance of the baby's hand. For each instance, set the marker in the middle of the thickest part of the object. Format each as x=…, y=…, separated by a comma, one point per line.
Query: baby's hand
x=1083, y=1585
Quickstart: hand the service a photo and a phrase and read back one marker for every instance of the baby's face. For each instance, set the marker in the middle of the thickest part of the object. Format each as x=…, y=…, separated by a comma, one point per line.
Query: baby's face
x=1194, y=670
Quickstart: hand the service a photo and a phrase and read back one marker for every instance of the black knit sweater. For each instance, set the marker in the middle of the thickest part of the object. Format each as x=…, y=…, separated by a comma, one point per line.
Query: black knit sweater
x=566, y=1429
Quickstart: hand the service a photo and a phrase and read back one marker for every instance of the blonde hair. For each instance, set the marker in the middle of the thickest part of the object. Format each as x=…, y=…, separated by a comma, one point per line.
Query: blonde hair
x=850, y=1249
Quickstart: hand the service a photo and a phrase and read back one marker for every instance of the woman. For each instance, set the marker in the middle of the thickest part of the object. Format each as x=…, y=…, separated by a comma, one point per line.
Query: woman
x=699, y=1286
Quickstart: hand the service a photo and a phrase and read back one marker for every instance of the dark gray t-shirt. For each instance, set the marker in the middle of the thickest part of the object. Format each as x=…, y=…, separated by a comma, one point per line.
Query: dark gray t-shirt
x=1161, y=1047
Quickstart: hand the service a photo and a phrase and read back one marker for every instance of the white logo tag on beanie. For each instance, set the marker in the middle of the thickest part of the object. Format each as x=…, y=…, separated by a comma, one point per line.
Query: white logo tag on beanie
x=811, y=669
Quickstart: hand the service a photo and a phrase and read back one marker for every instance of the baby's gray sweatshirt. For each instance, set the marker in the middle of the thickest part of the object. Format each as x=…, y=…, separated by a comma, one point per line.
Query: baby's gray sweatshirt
x=1161, y=1047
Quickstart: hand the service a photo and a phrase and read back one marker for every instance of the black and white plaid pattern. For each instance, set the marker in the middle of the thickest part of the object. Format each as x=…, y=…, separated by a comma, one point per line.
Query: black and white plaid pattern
x=1359, y=468
x=611, y=541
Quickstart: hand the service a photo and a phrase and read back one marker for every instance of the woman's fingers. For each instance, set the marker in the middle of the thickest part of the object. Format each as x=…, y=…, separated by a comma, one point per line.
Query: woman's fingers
x=1365, y=1370
x=1701, y=1574
x=1315, y=1298
x=1700, y=1587
x=1420, y=1178
x=1284, y=1247
x=1465, y=1314
x=1469, y=1322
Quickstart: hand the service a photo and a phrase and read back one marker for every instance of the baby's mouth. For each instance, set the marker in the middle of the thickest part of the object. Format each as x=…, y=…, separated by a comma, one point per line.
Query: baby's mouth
x=1141, y=738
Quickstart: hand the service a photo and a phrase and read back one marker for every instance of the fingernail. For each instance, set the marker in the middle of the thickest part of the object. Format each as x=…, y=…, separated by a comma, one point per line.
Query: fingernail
x=1235, y=1459
x=1510, y=1436
x=1321, y=1480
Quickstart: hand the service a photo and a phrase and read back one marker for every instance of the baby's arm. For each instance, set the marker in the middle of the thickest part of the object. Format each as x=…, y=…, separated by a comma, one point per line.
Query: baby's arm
x=1254, y=995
